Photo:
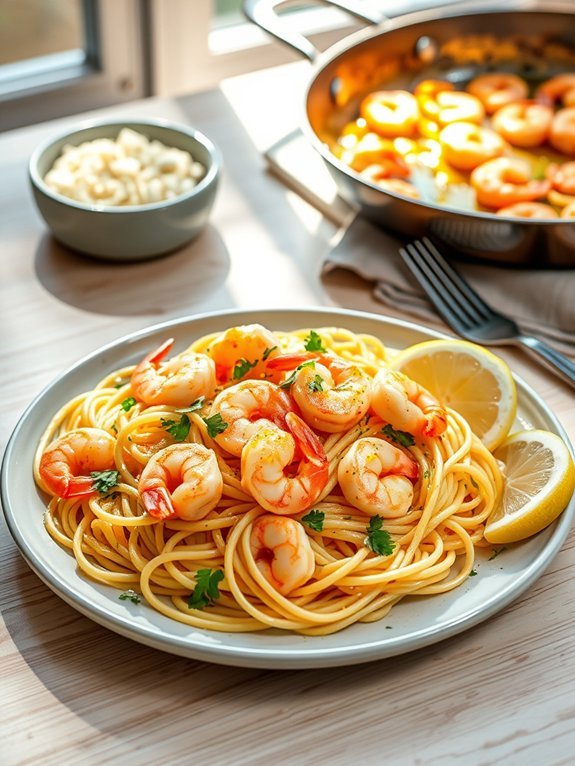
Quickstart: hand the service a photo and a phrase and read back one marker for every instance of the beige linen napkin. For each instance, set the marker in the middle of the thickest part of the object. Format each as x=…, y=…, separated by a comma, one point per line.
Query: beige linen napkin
x=541, y=302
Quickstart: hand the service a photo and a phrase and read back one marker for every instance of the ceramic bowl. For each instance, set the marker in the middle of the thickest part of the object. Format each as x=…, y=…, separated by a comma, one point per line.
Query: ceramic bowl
x=127, y=232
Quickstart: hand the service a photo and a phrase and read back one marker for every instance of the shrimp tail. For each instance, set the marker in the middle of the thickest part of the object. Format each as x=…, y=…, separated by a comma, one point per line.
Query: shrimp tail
x=284, y=362
x=157, y=503
x=307, y=441
x=159, y=353
x=79, y=486
x=435, y=421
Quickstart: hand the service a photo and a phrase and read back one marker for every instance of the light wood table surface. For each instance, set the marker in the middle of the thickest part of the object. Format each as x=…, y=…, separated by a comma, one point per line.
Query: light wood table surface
x=74, y=692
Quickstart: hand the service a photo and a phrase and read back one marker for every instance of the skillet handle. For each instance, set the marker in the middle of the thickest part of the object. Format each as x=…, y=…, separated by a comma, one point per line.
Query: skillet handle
x=263, y=14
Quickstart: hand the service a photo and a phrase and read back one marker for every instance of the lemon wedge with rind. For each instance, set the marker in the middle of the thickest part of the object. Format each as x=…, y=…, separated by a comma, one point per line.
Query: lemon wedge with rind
x=539, y=482
x=467, y=378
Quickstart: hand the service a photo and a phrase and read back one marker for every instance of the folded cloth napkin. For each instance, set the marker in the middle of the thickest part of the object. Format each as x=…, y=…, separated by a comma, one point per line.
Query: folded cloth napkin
x=541, y=302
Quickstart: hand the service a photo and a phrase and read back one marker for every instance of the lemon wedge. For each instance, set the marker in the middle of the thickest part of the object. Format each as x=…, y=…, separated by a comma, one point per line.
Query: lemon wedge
x=467, y=378
x=539, y=482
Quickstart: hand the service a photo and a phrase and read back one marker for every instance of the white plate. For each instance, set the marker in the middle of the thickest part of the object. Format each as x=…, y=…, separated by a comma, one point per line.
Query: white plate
x=412, y=624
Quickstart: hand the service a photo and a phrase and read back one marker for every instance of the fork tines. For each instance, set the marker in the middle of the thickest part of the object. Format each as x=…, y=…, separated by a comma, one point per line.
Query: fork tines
x=452, y=296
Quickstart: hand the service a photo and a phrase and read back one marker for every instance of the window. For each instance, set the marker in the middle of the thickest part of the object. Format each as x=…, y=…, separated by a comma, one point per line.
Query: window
x=59, y=57
x=197, y=44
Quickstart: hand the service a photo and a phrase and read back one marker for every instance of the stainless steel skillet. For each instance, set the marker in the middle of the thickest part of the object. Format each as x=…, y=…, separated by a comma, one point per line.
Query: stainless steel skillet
x=535, y=39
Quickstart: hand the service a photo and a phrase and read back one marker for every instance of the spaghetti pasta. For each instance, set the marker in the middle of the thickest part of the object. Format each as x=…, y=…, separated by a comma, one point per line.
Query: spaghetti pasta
x=427, y=549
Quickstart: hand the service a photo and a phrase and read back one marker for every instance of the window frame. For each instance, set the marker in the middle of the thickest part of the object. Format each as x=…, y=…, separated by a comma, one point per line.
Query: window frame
x=190, y=56
x=113, y=69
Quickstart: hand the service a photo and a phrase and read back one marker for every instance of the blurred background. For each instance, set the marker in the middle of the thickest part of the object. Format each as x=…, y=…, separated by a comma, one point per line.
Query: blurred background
x=61, y=57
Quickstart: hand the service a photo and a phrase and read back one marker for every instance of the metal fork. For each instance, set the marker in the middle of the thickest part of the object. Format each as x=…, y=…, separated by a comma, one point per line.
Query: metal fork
x=468, y=314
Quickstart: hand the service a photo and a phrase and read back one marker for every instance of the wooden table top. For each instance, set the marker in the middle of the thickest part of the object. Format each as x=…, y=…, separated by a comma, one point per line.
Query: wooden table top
x=500, y=693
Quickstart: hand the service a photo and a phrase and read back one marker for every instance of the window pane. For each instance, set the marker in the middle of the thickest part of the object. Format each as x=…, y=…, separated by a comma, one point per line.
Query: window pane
x=227, y=12
x=31, y=28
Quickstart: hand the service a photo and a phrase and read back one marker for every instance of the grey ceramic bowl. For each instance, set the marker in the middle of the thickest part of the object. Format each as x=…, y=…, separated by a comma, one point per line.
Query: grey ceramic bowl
x=127, y=232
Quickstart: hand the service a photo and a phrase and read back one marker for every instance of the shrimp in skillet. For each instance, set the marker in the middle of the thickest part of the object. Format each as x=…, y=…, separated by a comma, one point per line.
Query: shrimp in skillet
x=506, y=180
x=282, y=552
x=333, y=395
x=497, y=89
x=66, y=466
x=391, y=113
x=176, y=382
x=377, y=478
x=558, y=88
x=183, y=481
x=285, y=472
x=246, y=407
x=466, y=145
x=562, y=133
x=562, y=179
x=524, y=123
x=535, y=210
x=406, y=405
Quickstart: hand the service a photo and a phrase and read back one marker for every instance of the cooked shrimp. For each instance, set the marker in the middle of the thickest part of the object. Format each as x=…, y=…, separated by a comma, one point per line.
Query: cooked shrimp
x=561, y=87
x=373, y=149
x=182, y=480
x=497, y=89
x=333, y=395
x=562, y=179
x=562, y=133
x=430, y=88
x=246, y=407
x=399, y=186
x=406, y=405
x=506, y=180
x=177, y=382
x=377, y=478
x=268, y=469
x=378, y=173
x=452, y=106
x=536, y=210
x=568, y=211
x=240, y=352
x=523, y=123
x=391, y=113
x=282, y=552
x=466, y=145
x=68, y=462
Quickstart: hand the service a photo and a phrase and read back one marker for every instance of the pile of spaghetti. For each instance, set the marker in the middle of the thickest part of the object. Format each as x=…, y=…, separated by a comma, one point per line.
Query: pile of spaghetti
x=156, y=499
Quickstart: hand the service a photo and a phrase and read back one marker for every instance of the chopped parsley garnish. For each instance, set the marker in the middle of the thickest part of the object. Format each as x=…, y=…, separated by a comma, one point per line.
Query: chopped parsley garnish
x=130, y=595
x=128, y=403
x=194, y=406
x=426, y=474
x=473, y=482
x=472, y=573
x=378, y=539
x=178, y=429
x=268, y=351
x=496, y=552
x=206, y=591
x=103, y=481
x=243, y=366
x=314, y=520
x=289, y=381
x=313, y=342
x=215, y=425
x=403, y=438
x=316, y=384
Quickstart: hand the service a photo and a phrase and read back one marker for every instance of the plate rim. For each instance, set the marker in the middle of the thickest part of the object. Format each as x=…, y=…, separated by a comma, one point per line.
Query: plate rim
x=270, y=657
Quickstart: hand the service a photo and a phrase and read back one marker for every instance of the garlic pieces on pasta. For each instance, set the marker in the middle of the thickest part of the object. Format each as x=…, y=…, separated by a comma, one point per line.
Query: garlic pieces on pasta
x=130, y=170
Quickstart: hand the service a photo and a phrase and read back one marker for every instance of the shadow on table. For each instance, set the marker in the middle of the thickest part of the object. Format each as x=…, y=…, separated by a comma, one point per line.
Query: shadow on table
x=133, y=695
x=153, y=287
